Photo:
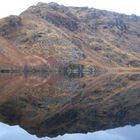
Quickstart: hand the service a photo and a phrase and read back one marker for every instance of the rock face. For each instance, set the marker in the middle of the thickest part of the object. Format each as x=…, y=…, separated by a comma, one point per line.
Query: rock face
x=53, y=105
x=56, y=36
x=12, y=24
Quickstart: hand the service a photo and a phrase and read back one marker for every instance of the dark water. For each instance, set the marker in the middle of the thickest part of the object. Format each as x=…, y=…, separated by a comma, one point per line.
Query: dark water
x=57, y=107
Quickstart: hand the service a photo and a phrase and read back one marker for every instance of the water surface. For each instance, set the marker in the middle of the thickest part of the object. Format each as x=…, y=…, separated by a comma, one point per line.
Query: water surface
x=48, y=106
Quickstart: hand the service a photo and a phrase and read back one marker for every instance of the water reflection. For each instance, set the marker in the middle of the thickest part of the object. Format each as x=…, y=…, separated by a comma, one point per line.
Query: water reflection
x=52, y=105
x=122, y=133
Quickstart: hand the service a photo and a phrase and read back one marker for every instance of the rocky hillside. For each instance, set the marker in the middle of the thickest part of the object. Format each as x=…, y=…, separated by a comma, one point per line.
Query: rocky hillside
x=56, y=36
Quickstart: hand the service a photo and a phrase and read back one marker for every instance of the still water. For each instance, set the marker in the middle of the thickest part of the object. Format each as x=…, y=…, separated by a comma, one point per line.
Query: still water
x=57, y=107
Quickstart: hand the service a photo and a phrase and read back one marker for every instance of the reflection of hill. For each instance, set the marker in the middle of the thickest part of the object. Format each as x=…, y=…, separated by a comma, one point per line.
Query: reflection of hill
x=54, y=105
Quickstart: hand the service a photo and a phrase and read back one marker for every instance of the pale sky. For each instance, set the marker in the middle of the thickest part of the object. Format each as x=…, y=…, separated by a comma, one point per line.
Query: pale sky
x=15, y=7
x=122, y=133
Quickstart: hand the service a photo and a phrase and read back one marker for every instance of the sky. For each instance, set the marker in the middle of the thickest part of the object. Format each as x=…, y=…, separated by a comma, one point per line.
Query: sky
x=15, y=7
x=123, y=133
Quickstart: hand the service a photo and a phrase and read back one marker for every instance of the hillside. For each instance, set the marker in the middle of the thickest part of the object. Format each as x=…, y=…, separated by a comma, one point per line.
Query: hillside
x=56, y=36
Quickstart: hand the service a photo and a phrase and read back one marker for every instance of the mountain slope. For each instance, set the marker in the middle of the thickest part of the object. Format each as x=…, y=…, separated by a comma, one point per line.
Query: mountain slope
x=56, y=36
